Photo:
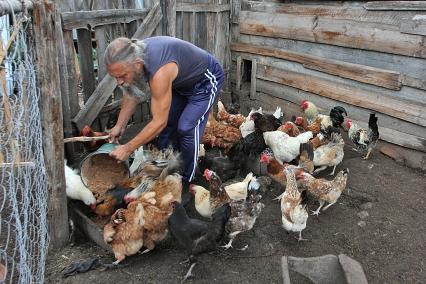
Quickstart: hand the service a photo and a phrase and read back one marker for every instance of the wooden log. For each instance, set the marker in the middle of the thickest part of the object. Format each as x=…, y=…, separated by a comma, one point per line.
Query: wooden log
x=412, y=69
x=45, y=15
x=334, y=32
x=417, y=25
x=87, y=19
x=105, y=88
x=201, y=7
x=14, y=6
x=396, y=5
x=366, y=74
x=253, y=79
x=394, y=107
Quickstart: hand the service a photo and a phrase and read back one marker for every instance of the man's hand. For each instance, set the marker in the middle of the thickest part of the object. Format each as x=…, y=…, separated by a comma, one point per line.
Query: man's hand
x=121, y=153
x=116, y=133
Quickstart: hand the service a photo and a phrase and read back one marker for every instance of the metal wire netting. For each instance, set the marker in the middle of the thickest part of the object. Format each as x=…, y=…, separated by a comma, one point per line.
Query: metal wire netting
x=23, y=182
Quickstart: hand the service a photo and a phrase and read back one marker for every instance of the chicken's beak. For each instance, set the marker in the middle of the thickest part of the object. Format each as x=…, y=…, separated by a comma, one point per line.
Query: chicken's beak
x=264, y=159
x=93, y=207
x=207, y=174
x=127, y=199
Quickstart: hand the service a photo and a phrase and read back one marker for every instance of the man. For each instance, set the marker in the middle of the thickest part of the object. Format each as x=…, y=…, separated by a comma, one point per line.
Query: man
x=184, y=81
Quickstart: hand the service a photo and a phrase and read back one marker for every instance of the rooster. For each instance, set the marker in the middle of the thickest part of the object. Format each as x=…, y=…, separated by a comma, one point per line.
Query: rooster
x=233, y=119
x=293, y=205
x=92, y=145
x=310, y=111
x=364, y=140
x=285, y=148
x=324, y=190
x=75, y=189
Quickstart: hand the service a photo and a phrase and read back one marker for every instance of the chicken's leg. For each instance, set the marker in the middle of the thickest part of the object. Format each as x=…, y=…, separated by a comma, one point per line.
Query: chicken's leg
x=316, y=212
x=319, y=170
x=228, y=245
x=189, y=273
x=368, y=154
x=326, y=207
x=145, y=251
x=332, y=173
x=300, y=237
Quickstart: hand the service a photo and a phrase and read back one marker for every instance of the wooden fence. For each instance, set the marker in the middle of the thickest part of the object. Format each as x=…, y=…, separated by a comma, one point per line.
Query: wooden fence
x=364, y=56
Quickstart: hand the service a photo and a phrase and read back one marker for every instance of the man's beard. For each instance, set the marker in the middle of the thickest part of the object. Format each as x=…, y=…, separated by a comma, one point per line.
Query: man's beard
x=139, y=88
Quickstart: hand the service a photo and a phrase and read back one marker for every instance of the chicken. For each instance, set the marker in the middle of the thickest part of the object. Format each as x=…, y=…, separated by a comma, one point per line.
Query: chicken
x=219, y=134
x=233, y=119
x=310, y=111
x=293, y=205
x=325, y=190
x=306, y=157
x=75, y=189
x=329, y=155
x=285, y=148
x=218, y=162
x=265, y=122
x=112, y=200
x=235, y=191
x=92, y=145
x=243, y=213
x=196, y=236
x=247, y=126
x=318, y=140
x=250, y=146
x=314, y=126
x=290, y=129
x=274, y=168
x=336, y=116
x=125, y=231
x=364, y=140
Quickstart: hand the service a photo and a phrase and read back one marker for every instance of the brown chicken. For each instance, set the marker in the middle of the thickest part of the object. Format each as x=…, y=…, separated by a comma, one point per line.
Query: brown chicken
x=289, y=128
x=220, y=135
x=306, y=157
x=92, y=145
x=325, y=190
x=112, y=200
x=233, y=119
x=125, y=231
x=218, y=194
x=318, y=141
x=315, y=126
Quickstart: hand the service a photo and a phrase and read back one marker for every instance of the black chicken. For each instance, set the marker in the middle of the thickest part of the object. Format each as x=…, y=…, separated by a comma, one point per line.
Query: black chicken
x=217, y=161
x=250, y=146
x=265, y=122
x=196, y=236
x=336, y=116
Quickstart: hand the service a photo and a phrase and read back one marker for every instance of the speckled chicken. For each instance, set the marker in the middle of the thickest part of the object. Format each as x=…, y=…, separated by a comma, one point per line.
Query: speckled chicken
x=233, y=119
x=364, y=140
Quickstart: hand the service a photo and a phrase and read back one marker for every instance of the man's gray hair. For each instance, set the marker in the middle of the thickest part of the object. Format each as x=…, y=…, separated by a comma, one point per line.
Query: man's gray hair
x=124, y=50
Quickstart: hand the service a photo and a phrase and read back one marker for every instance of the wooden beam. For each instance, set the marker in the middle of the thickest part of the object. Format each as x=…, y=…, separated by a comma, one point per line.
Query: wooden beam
x=45, y=15
x=169, y=18
x=200, y=8
x=239, y=73
x=87, y=19
x=396, y=5
x=345, y=33
x=366, y=74
x=14, y=6
x=105, y=88
x=391, y=106
x=416, y=26
x=253, y=79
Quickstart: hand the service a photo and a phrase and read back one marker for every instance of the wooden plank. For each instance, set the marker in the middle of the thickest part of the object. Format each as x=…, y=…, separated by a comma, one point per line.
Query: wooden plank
x=416, y=26
x=396, y=5
x=201, y=7
x=253, y=79
x=391, y=129
x=334, y=32
x=193, y=26
x=366, y=74
x=105, y=88
x=412, y=69
x=44, y=14
x=169, y=18
x=101, y=41
x=86, y=19
x=239, y=73
x=14, y=6
x=394, y=107
x=84, y=43
x=235, y=11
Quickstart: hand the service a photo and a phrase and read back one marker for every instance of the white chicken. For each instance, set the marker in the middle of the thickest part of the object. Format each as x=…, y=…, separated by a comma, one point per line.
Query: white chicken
x=285, y=148
x=75, y=188
x=235, y=191
x=329, y=155
x=247, y=126
x=293, y=205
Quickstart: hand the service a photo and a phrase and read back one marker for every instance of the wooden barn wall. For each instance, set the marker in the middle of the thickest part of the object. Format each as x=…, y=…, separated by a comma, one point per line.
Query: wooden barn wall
x=334, y=53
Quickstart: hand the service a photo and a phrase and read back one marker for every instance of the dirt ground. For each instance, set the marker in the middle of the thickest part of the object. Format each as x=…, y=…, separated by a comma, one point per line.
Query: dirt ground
x=389, y=242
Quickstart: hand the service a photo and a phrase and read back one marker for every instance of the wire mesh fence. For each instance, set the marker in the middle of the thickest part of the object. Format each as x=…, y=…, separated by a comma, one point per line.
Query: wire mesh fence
x=23, y=184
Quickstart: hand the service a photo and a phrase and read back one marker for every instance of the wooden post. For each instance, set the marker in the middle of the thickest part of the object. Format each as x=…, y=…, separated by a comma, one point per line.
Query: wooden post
x=169, y=17
x=239, y=75
x=253, y=79
x=101, y=41
x=45, y=15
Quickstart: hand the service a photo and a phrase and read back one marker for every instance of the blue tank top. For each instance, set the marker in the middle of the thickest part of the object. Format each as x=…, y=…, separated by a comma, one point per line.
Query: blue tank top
x=192, y=61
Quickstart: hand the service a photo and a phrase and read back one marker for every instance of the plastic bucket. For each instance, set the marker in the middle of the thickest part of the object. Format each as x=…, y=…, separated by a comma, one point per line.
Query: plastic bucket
x=101, y=168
